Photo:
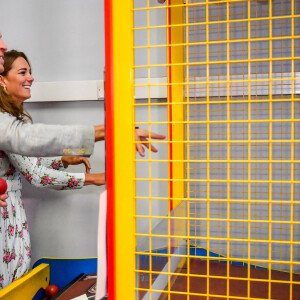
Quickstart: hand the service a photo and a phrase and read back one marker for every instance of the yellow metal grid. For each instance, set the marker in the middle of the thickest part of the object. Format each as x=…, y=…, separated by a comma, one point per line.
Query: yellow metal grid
x=236, y=204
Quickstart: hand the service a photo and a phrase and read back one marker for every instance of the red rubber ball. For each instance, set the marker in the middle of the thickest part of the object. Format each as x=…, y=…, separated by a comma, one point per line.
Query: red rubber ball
x=51, y=290
x=3, y=186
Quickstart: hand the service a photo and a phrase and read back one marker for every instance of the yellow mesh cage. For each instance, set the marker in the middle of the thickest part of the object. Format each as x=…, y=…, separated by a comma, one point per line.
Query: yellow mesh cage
x=216, y=210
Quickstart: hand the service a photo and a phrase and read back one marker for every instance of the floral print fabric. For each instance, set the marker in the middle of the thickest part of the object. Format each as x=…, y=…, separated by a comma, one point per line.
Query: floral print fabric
x=15, y=248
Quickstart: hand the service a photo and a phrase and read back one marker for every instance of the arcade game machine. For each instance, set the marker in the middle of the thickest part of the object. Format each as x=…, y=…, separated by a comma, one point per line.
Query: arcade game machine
x=215, y=213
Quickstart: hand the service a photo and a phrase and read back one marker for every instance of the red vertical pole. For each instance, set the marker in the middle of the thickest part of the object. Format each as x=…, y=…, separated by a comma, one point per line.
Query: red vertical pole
x=109, y=149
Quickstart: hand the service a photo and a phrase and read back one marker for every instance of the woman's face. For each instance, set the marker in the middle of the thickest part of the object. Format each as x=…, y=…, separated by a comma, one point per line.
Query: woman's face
x=18, y=80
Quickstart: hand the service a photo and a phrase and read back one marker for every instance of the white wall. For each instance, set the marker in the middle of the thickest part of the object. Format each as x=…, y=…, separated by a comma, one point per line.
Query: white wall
x=64, y=40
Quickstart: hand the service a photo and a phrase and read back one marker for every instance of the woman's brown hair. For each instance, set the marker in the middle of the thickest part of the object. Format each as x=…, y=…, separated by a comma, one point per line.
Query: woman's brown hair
x=7, y=104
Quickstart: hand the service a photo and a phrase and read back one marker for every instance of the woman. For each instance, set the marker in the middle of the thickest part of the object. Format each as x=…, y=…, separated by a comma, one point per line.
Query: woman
x=15, y=84
x=46, y=140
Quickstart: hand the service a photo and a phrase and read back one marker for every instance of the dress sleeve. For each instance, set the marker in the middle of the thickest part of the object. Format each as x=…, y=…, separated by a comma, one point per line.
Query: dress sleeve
x=40, y=176
x=44, y=140
x=54, y=163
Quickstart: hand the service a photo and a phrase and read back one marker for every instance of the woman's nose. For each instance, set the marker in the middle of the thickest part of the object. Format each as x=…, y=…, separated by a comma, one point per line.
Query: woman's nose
x=30, y=78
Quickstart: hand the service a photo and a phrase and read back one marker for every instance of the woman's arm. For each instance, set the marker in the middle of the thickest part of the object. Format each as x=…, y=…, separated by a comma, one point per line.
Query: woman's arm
x=40, y=176
x=50, y=140
x=60, y=163
x=51, y=162
x=47, y=140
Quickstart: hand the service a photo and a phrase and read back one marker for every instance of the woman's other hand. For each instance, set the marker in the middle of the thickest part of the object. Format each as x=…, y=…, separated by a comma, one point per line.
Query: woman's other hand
x=76, y=160
x=94, y=179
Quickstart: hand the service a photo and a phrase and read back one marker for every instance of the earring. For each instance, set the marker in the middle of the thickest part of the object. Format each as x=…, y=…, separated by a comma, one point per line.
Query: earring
x=5, y=90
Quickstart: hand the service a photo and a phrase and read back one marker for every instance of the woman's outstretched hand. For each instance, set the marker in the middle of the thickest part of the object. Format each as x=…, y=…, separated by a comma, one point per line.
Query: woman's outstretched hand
x=76, y=160
x=142, y=135
x=94, y=179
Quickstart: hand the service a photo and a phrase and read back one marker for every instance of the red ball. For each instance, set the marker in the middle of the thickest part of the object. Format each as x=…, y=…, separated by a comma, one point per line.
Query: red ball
x=161, y=1
x=3, y=186
x=51, y=290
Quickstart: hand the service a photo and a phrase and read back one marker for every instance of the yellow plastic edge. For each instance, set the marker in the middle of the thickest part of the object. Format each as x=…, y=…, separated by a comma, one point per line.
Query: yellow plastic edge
x=176, y=75
x=27, y=286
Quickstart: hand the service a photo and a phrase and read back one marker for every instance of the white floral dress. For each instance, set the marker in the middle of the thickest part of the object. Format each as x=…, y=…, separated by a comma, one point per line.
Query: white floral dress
x=14, y=235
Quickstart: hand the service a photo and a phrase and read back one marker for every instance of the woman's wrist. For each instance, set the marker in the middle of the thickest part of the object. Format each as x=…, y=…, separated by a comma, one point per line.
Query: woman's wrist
x=64, y=162
x=99, y=132
x=95, y=179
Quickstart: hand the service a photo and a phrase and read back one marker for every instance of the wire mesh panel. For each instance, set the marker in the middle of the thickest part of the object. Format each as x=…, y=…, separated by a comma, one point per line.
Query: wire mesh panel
x=217, y=208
